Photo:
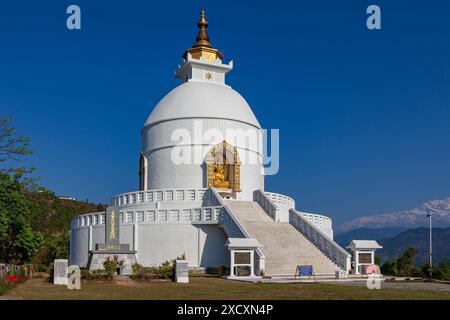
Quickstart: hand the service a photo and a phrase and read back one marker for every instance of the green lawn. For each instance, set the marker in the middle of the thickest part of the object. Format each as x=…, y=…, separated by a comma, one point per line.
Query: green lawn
x=210, y=288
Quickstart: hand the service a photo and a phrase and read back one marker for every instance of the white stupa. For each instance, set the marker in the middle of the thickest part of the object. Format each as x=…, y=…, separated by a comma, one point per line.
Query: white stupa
x=201, y=181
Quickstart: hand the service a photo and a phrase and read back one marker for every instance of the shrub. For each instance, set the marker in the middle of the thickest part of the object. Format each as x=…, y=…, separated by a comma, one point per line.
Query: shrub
x=5, y=286
x=220, y=270
x=10, y=281
x=14, y=278
x=444, y=268
x=389, y=268
x=95, y=275
x=137, y=267
x=110, y=266
x=441, y=270
x=165, y=271
x=51, y=272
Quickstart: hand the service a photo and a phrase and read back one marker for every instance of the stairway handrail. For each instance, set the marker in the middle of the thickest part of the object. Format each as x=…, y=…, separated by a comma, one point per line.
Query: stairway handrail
x=219, y=199
x=266, y=203
x=338, y=254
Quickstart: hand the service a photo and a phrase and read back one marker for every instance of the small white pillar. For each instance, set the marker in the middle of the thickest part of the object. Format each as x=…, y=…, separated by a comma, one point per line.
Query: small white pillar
x=181, y=271
x=60, y=271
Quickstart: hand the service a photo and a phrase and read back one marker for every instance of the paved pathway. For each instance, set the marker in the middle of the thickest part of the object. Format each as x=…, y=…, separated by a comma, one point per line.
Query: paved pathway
x=406, y=285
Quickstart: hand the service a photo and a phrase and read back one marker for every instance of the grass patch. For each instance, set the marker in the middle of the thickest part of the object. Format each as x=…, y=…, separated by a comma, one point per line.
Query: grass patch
x=204, y=288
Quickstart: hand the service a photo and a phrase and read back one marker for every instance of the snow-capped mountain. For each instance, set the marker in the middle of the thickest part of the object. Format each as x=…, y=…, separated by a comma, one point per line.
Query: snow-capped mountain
x=413, y=218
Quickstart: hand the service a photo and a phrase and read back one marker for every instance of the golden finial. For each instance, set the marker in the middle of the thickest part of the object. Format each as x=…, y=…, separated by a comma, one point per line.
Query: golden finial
x=202, y=47
x=202, y=36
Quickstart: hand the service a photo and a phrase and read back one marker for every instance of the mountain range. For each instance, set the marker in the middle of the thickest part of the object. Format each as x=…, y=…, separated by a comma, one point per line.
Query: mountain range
x=418, y=238
x=406, y=219
x=344, y=239
x=396, y=240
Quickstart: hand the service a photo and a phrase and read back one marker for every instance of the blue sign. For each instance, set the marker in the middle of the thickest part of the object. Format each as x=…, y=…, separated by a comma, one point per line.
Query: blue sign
x=305, y=271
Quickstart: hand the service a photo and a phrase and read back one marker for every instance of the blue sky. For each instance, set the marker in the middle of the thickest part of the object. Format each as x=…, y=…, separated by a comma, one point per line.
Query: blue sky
x=364, y=116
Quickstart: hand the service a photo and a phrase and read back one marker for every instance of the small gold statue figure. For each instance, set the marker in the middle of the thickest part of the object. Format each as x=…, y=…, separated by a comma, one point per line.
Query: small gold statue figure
x=219, y=180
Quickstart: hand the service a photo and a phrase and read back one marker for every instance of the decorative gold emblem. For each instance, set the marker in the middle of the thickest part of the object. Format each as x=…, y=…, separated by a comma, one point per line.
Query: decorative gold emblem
x=112, y=225
x=208, y=76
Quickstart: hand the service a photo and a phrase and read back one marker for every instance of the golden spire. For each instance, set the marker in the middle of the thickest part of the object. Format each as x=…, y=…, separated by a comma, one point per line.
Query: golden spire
x=202, y=37
x=202, y=47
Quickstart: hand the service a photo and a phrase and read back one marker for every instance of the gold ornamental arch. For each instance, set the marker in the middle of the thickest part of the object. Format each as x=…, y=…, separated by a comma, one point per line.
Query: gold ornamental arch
x=223, y=167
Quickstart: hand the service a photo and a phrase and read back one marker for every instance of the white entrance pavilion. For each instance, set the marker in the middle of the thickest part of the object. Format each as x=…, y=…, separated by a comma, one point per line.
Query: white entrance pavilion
x=195, y=207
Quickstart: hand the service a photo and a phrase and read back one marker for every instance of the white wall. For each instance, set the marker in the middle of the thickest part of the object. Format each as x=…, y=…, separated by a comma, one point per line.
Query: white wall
x=204, y=245
x=163, y=173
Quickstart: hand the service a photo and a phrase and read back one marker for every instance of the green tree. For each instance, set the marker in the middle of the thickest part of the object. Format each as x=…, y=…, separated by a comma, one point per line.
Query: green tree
x=405, y=264
x=440, y=271
x=12, y=147
x=444, y=268
x=18, y=240
x=110, y=265
x=389, y=268
x=378, y=260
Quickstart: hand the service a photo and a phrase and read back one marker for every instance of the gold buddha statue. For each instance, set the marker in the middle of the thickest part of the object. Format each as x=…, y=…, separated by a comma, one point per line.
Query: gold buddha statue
x=219, y=180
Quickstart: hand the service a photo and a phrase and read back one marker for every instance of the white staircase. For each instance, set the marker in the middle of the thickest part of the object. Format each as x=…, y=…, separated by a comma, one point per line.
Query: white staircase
x=284, y=247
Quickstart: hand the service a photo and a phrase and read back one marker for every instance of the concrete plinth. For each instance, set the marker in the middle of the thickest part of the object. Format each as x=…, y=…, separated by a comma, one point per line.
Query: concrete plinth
x=97, y=258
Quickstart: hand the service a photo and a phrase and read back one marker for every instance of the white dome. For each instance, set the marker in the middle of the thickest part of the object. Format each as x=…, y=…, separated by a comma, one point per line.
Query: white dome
x=202, y=100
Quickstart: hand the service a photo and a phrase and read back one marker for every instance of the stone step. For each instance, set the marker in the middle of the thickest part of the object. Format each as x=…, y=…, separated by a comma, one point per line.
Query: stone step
x=283, y=246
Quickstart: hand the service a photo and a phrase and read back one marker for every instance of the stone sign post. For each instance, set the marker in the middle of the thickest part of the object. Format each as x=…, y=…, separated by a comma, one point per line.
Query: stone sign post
x=60, y=272
x=112, y=247
x=181, y=271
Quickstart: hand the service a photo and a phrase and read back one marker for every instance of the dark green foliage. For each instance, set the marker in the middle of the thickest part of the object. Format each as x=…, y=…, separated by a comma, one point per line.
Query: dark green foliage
x=389, y=268
x=441, y=270
x=51, y=216
x=12, y=147
x=5, y=286
x=220, y=270
x=165, y=271
x=51, y=272
x=19, y=241
x=137, y=268
x=95, y=275
x=110, y=265
x=34, y=223
x=377, y=260
x=444, y=269
x=405, y=264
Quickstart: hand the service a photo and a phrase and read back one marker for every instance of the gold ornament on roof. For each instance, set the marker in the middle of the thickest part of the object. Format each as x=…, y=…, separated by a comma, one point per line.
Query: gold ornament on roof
x=202, y=47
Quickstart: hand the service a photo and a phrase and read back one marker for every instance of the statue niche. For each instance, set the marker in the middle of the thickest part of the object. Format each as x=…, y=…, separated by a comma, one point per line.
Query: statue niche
x=223, y=167
x=219, y=179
